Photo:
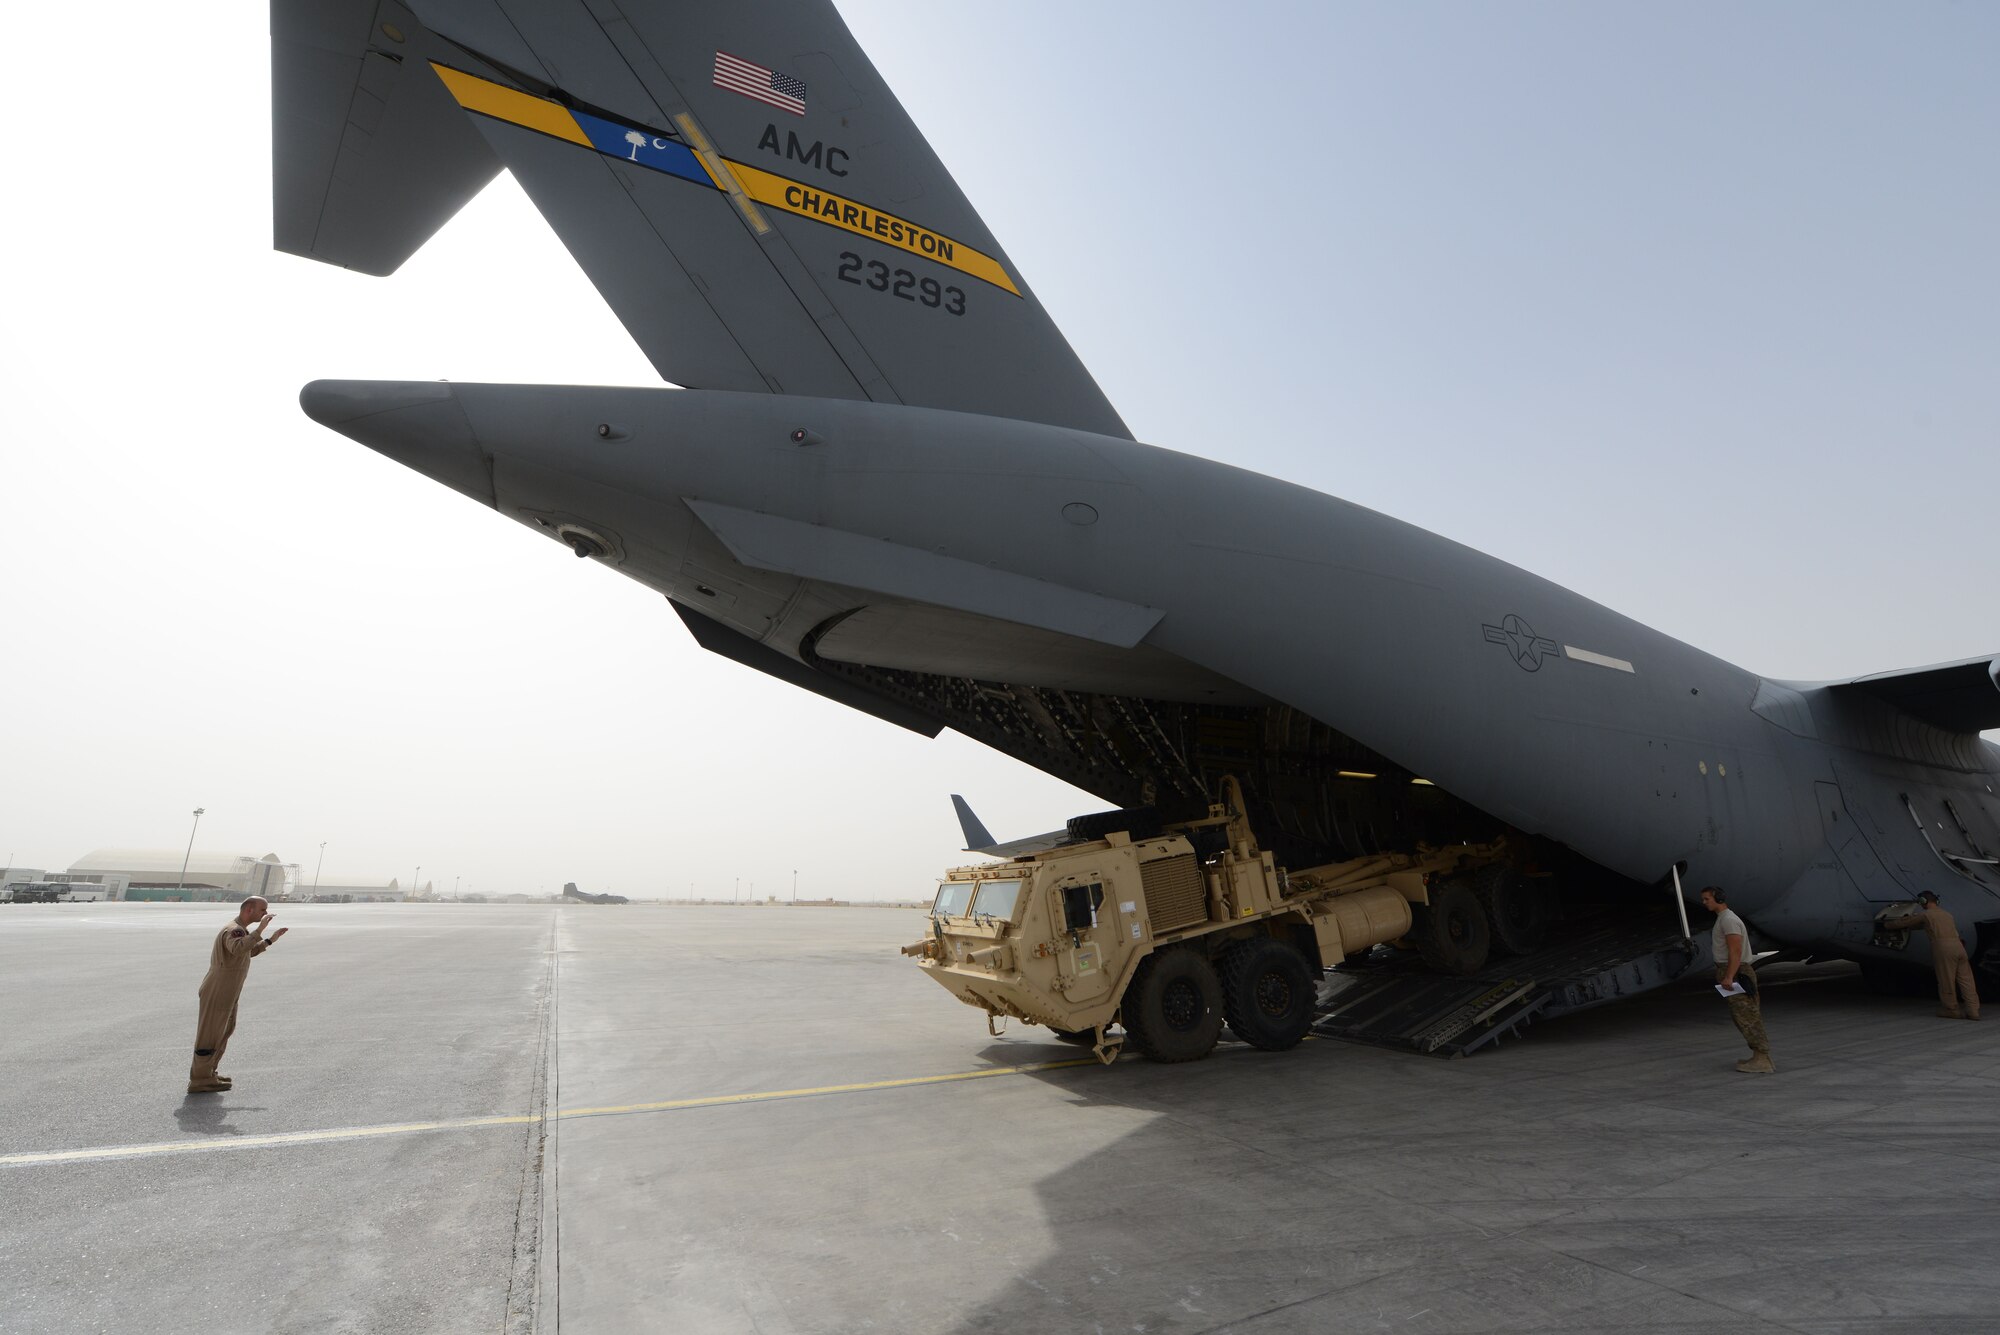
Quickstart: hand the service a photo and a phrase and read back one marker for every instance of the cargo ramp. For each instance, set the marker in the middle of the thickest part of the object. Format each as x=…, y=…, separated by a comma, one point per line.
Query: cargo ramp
x=1388, y=998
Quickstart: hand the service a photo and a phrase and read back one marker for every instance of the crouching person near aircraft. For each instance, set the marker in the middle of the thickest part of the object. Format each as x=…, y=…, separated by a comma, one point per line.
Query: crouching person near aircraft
x=241, y=941
x=1730, y=945
x=1954, y=970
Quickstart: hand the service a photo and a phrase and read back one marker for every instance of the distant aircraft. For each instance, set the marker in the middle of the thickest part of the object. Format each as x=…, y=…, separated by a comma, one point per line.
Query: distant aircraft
x=571, y=892
x=892, y=483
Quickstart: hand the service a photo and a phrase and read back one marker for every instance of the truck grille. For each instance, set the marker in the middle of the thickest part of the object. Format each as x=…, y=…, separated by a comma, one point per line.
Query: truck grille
x=1175, y=896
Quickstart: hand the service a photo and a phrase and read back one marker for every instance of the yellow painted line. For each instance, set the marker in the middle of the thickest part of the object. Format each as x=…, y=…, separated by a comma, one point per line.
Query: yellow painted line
x=721, y=1100
x=501, y=103
x=522, y=1119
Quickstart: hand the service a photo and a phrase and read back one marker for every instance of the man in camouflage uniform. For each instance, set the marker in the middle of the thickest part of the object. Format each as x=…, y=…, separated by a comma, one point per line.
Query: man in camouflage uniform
x=1730, y=945
x=228, y=966
x=1954, y=970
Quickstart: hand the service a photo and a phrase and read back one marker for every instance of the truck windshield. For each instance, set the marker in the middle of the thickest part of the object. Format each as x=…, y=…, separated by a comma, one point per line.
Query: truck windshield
x=996, y=899
x=952, y=898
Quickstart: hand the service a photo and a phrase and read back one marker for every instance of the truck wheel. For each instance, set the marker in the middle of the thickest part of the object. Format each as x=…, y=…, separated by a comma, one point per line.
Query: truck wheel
x=1139, y=822
x=1173, y=1009
x=1451, y=932
x=1268, y=994
x=1517, y=909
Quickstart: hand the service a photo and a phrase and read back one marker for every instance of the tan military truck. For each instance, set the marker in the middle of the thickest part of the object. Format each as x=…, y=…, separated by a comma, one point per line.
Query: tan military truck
x=1146, y=935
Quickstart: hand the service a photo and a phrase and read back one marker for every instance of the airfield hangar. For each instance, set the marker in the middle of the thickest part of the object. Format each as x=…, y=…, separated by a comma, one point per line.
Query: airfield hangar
x=155, y=874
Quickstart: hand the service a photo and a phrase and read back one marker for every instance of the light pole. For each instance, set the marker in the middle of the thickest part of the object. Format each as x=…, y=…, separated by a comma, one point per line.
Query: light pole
x=736, y=891
x=190, y=850
x=317, y=866
x=795, y=885
x=417, y=882
x=454, y=889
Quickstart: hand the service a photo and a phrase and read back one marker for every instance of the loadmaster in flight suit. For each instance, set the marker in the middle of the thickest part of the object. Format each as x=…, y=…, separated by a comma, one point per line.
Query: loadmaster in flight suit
x=1954, y=970
x=228, y=965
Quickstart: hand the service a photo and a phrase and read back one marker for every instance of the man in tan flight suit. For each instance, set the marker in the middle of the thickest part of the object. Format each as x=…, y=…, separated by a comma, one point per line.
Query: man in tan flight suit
x=228, y=965
x=1954, y=970
x=1730, y=945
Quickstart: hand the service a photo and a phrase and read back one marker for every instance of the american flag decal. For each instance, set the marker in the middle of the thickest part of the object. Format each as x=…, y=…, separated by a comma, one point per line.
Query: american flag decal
x=779, y=90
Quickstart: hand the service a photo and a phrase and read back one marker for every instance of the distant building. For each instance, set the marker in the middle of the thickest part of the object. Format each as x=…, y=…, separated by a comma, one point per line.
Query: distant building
x=156, y=874
x=19, y=876
x=349, y=889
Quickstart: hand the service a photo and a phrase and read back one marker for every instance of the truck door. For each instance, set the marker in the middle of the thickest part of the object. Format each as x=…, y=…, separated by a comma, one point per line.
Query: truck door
x=1090, y=949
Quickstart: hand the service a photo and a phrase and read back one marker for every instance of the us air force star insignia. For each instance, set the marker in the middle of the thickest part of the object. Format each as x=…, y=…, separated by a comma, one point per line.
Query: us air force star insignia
x=1528, y=648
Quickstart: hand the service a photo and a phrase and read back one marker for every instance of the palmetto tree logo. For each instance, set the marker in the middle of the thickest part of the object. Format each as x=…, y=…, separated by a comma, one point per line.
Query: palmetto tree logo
x=637, y=140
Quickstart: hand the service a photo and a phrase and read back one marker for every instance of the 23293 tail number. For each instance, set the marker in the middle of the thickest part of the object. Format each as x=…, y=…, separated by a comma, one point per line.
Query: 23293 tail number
x=879, y=277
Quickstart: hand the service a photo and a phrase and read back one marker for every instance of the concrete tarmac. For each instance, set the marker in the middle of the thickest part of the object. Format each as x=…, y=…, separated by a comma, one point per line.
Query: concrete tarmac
x=709, y=1119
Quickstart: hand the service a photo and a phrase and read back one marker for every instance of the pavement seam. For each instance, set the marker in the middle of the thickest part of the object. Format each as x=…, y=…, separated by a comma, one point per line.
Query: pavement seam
x=550, y=1276
x=520, y=1311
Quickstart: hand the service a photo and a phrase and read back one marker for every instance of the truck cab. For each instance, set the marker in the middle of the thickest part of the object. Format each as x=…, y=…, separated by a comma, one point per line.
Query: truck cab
x=1050, y=938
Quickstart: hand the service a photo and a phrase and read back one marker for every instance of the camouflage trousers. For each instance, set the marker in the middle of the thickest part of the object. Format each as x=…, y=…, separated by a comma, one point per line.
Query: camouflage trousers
x=1747, y=1010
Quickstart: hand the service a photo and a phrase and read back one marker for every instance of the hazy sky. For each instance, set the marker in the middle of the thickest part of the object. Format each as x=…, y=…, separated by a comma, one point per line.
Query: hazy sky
x=1692, y=308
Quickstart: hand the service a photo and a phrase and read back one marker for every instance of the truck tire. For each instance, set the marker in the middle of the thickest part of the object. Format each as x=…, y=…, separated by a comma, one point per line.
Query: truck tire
x=1268, y=993
x=1173, y=1010
x=1451, y=932
x=1139, y=822
x=1517, y=909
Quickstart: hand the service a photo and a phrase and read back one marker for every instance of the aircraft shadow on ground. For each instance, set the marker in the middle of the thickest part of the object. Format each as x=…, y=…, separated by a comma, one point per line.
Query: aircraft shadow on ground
x=1344, y=1179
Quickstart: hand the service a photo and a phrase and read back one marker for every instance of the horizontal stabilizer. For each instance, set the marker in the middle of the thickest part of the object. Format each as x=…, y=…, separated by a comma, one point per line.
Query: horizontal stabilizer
x=370, y=154
x=1957, y=697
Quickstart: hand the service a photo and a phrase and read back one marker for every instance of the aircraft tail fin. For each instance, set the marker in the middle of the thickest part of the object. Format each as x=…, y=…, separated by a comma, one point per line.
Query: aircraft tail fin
x=979, y=840
x=742, y=188
x=976, y=834
x=369, y=154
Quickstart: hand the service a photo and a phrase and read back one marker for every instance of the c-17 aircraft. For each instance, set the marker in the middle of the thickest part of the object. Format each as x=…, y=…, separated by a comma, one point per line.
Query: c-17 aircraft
x=891, y=482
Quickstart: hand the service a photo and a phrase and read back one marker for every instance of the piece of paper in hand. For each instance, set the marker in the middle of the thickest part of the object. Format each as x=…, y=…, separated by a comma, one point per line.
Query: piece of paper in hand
x=1733, y=990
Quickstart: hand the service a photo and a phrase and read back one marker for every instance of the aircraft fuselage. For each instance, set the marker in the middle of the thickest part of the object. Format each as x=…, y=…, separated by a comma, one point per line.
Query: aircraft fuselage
x=895, y=546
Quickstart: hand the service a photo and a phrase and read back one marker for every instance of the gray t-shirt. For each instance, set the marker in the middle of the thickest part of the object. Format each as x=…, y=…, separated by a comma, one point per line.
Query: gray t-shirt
x=1727, y=924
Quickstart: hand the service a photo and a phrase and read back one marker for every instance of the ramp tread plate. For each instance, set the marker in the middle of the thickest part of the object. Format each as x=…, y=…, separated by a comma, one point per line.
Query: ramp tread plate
x=1396, y=1003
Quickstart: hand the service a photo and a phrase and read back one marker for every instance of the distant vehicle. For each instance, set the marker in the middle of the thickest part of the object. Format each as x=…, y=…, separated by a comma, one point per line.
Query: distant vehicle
x=32, y=892
x=571, y=892
x=73, y=893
